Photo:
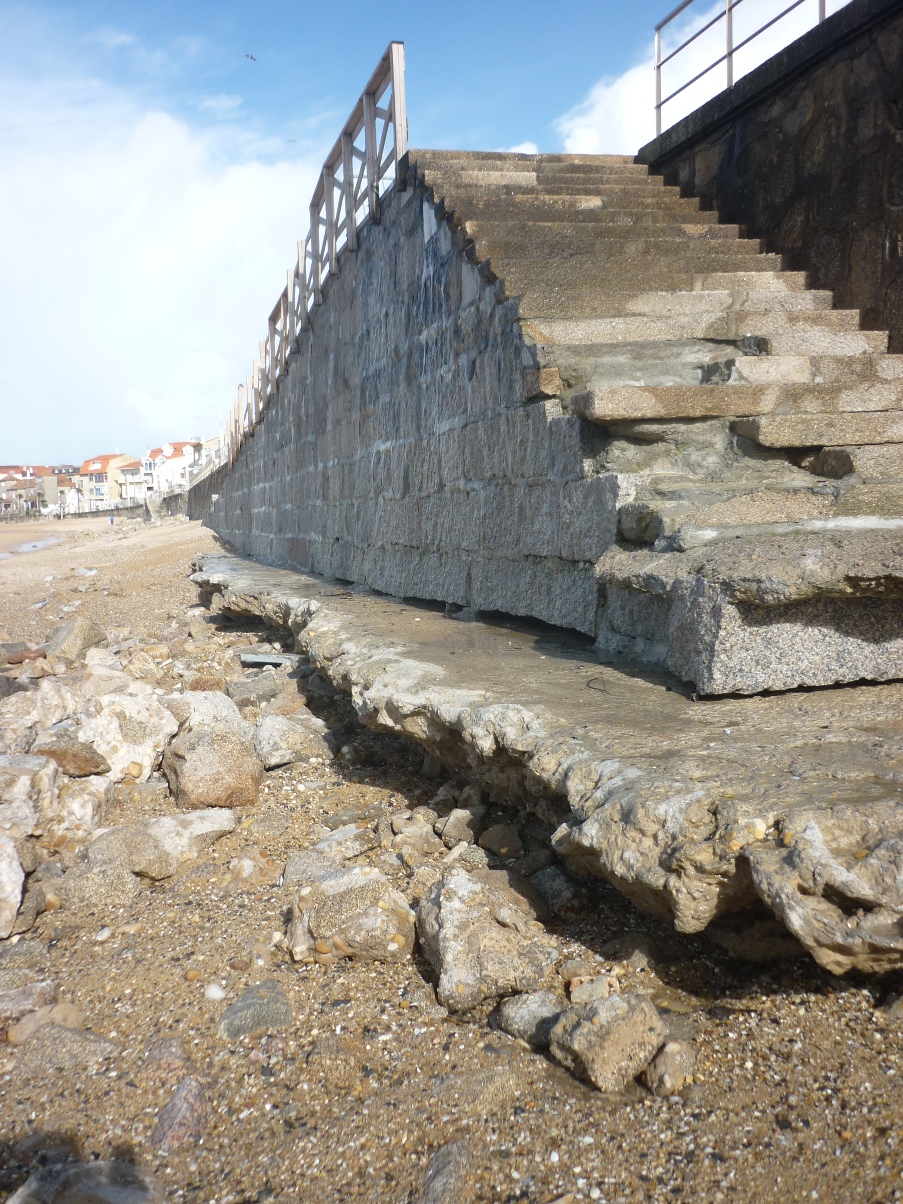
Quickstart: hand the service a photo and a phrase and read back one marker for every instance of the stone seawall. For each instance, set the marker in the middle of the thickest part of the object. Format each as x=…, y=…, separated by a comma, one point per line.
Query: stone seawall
x=201, y=494
x=400, y=451
x=807, y=153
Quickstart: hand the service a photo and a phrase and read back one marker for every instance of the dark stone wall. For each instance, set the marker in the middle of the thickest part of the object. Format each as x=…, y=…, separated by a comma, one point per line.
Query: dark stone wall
x=200, y=496
x=400, y=450
x=807, y=153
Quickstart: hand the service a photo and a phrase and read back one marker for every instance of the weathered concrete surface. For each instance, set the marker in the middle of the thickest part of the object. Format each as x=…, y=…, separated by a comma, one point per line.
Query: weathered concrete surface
x=715, y=812
x=805, y=152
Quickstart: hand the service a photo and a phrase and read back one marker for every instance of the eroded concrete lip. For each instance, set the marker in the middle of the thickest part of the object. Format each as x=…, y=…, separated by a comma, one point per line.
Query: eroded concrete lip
x=694, y=537
x=712, y=832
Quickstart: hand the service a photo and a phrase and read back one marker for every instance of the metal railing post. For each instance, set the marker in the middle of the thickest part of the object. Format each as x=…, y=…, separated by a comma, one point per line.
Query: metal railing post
x=658, y=82
x=821, y=11
x=729, y=35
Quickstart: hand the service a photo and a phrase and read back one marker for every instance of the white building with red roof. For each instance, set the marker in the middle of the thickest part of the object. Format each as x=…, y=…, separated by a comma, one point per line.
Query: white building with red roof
x=167, y=468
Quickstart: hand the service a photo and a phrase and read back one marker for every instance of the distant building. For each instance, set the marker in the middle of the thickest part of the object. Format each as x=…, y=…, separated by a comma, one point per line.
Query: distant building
x=102, y=480
x=60, y=495
x=167, y=468
x=133, y=486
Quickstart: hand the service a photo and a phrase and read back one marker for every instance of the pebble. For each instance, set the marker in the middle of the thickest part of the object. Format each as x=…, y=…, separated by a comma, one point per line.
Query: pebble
x=215, y=992
x=103, y=934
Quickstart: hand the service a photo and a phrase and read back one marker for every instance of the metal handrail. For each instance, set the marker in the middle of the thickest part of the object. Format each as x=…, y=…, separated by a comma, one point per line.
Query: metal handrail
x=731, y=47
x=354, y=177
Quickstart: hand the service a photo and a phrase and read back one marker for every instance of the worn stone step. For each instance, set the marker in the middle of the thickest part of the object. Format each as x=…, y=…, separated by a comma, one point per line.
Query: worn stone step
x=624, y=189
x=679, y=304
x=564, y=236
x=649, y=266
x=526, y=173
x=652, y=520
x=799, y=403
x=731, y=325
x=568, y=210
x=440, y=156
x=464, y=203
x=813, y=341
x=778, y=280
x=826, y=430
x=871, y=462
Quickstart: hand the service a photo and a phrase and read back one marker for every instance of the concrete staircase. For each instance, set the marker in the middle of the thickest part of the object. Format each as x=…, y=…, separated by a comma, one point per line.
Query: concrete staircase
x=736, y=403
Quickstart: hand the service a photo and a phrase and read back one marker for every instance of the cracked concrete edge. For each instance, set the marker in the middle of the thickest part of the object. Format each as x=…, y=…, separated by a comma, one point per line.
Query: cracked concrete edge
x=635, y=825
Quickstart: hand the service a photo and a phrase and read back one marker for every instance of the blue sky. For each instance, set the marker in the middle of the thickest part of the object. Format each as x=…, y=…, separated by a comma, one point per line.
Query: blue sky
x=156, y=180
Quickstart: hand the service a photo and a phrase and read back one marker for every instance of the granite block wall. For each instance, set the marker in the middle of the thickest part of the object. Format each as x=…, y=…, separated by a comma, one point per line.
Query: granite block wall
x=400, y=451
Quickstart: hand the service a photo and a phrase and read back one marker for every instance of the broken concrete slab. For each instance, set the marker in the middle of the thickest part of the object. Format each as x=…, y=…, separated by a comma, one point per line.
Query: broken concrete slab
x=669, y=800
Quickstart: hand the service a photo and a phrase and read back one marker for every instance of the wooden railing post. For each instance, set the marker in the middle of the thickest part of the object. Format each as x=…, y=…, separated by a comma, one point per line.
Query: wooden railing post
x=329, y=213
x=348, y=187
x=399, y=104
x=305, y=292
x=316, y=282
x=372, y=164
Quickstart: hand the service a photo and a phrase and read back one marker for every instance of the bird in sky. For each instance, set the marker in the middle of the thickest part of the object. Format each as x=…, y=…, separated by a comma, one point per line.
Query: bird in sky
x=251, y=57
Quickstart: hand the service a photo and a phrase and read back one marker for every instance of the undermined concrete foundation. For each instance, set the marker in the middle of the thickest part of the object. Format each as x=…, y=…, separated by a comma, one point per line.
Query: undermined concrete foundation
x=700, y=810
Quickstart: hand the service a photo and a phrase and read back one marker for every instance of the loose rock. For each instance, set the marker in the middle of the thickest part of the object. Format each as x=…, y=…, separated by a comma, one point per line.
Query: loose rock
x=157, y=848
x=481, y=946
x=670, y=1068
x=260, y=1009
x=531, y=1017
x=92, y=1183
x=283, y=741
x=608, y=1041
x=212, y=768
x=11, y=880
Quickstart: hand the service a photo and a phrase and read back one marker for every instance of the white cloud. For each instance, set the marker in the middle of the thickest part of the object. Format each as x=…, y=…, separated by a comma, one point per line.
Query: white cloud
x=145, y=256
x=110, y=38
x=524, y=148
x=618, y=115
x=220, y=106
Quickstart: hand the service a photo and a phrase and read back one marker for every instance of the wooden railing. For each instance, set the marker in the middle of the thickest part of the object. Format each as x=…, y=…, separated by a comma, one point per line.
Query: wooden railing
x=363, y=164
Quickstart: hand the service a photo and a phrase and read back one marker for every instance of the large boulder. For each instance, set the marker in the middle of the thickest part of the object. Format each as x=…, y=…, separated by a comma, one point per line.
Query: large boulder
x=482, y=946
x=156, y=848
x=129, y=732
x=345, y=911
x=11, y=880
x=210, y=768
x=25, y=714
x=196, y=709
x=282, y=741
x=27, y=794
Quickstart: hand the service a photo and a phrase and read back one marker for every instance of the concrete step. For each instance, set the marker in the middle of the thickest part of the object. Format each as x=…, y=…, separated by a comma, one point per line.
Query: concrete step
x=827, y=430
x=562, y=236
x=800, y=404
x=531, y=173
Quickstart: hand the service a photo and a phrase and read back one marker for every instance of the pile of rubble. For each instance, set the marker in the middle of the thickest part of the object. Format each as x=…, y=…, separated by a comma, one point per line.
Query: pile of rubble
x=191, y=725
